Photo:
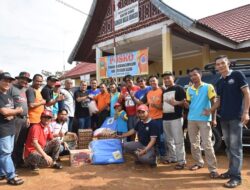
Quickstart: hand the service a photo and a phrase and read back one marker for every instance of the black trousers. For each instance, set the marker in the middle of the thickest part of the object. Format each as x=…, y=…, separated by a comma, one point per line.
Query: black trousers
x=102, y=116
x=20, y=138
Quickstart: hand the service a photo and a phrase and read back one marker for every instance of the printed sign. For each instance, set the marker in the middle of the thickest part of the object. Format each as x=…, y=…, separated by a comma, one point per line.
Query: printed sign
x=131, y=63
x=126, y=16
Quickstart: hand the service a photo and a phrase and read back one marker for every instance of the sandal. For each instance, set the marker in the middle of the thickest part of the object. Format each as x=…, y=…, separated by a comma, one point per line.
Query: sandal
x=15, y=181
x=57, y=166
x=195, y=167
x=180, y=166
x=214, y=175
x=225, y=175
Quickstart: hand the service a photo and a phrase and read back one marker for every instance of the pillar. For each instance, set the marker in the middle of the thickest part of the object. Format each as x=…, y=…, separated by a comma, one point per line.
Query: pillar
x=167, y=57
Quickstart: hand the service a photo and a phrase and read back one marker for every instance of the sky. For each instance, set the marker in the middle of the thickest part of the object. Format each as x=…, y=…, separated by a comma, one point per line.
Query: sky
x=38, y=35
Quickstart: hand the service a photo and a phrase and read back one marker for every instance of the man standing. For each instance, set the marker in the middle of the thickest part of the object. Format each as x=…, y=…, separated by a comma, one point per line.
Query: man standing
x=144, y=148
x=103, y=104
x=126, y=96
x=47, y=93
x=173, y=99
x=35, y=100
x=41, y=150
x=200, y=97
x=69, y=103
x=7, y=130
x=22, y=122
x=92, y=93
x=82, y=109
x=233, y=100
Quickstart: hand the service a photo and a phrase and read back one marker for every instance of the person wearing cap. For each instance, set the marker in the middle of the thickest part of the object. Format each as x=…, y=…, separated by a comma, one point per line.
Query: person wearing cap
x=69, y=102
x=144, y=148
x=127, y=92
x=41, y=150
x=47, y=93
x=122, y=118
x=173, y=102
x=7, y=130
x=57, y=106
x=22, y=122
x=114, y=98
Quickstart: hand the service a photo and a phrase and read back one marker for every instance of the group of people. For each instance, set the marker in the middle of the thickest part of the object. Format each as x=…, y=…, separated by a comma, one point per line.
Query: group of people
x=154, y=113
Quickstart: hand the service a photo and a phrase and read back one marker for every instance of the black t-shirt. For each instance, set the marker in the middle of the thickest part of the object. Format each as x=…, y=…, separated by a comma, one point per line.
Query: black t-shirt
x=146, y=130
x=47, y=93
x=82, y=109
x=173, y=112
x=7, y=127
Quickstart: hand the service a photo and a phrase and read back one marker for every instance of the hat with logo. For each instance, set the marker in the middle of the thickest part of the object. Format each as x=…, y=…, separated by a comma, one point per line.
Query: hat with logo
x=6, y=75
x=24, y=75
x=142, y=107
x=117, y=104
x=58, y=83
x=46, y=113
x=52, y=78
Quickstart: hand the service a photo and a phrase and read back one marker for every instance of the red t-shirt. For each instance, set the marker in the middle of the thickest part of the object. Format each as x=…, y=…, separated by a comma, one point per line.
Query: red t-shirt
x=129, y=103
x=40, y=133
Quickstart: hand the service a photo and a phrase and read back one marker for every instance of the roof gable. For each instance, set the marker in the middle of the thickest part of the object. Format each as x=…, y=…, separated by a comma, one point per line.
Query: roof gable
x=80, y=69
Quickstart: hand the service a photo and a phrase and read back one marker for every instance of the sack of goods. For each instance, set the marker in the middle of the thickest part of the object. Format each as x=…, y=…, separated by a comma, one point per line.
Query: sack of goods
x=107, y=130
x=106, y=151
x=92, y=107
x=84, y=138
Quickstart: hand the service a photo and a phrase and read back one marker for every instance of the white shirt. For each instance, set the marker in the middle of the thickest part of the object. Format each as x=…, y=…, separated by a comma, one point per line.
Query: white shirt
x=69, y=102
x=55, y=128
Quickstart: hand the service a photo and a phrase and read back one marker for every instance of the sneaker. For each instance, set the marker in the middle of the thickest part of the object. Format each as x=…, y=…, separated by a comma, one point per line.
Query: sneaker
x=232, y=183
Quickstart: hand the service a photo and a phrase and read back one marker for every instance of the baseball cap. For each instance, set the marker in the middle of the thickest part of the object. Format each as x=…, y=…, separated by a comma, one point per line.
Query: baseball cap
x=167, y=73
x=52, y=78
x=6, y=75
x=25, y=75
x=142, y=107
x=117, y=104
x=58, y=83
x=46, y=113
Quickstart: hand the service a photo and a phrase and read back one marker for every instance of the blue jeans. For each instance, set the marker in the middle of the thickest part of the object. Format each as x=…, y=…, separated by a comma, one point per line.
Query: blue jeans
x=232, y=133
x=6, y=164
x=161, y=139
x=84, y=122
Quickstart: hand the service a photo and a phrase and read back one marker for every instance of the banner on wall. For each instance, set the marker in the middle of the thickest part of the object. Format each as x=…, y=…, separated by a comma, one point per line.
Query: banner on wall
x=131, y=63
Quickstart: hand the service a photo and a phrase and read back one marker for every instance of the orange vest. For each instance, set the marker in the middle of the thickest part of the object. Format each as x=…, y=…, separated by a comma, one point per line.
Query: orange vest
x=35, y=113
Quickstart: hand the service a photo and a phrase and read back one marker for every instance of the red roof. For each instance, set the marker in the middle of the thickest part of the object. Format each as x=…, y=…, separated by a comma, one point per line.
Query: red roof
x=233, y=24
x=81, y=68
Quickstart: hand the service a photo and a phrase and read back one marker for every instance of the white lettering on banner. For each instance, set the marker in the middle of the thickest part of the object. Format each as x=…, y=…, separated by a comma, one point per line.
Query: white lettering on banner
x=126, y=16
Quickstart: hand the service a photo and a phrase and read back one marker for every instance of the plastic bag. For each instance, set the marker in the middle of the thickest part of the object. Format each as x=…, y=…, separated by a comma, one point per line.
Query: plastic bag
x=92, y=107
x=106, y=151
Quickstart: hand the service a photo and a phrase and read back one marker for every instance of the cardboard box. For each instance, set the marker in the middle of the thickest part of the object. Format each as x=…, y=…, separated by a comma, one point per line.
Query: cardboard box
x=79, y=157
x=85, y=133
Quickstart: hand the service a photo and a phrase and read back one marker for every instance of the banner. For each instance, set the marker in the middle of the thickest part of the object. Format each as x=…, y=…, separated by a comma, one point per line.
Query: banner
x=126, y=16
x=131, y=63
